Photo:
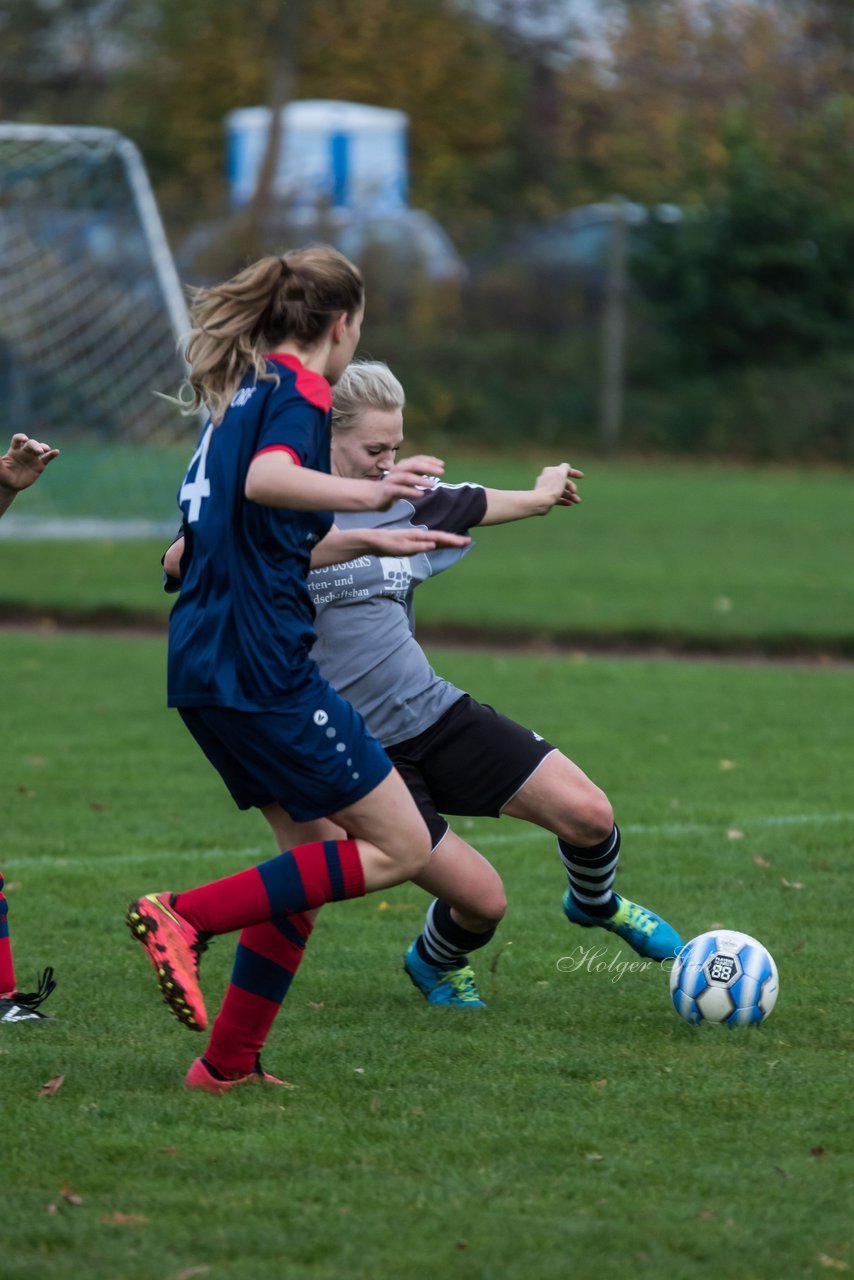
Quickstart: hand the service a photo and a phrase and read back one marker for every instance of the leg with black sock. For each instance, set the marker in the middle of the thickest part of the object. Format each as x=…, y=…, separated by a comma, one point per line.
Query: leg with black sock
x=444, y=942
x=470, y=903
x=437, y=961
x=591, y=872
x=590, y=901
x=560, y=797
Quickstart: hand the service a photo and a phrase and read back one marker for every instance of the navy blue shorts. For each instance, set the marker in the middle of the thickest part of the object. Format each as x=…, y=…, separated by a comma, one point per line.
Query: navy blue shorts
x=312, y=761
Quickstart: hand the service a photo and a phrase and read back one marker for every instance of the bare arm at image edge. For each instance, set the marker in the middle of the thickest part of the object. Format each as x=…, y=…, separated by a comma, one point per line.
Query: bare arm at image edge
x=21, y=466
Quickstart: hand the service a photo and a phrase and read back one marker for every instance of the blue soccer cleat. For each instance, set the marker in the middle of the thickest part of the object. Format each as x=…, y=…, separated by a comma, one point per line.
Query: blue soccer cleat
x=644, y=931
x=442, y=986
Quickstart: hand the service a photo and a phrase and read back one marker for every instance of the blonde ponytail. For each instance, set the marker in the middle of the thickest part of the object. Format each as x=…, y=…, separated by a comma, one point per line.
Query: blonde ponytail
x=236, y=324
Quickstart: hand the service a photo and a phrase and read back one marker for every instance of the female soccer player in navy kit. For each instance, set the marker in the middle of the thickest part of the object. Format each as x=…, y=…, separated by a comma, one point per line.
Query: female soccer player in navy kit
x=257, y=497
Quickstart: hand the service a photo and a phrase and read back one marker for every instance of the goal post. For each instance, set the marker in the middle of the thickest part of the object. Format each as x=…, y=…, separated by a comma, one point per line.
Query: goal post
x=91, y=314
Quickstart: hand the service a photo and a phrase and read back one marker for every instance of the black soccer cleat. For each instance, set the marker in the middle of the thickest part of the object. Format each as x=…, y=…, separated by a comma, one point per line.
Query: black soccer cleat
x=24, y=1006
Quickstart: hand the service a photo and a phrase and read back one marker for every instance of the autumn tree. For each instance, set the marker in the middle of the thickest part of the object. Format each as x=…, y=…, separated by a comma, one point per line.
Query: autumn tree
x=764, y=275
x=57, y=60
x=451, y=75
x=195, y=62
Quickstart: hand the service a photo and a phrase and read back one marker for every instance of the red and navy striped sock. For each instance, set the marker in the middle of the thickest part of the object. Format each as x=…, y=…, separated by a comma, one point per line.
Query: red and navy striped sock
x=296, y=880
x=268, y=956
x=7, y=968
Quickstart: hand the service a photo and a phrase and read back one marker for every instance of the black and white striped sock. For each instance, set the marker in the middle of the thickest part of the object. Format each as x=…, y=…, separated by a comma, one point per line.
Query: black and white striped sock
x=591, y=873
x=445, y=943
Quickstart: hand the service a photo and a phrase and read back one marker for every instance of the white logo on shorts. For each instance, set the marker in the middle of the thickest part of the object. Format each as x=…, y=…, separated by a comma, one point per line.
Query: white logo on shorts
x=536, y=736
x=321, y=718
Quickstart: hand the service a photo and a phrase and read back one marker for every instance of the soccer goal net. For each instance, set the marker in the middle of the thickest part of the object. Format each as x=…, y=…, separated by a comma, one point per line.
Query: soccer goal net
x=91, y=311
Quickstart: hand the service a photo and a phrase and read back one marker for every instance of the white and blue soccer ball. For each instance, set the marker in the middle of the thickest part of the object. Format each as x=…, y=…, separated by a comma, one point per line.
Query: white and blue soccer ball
x=724, y=976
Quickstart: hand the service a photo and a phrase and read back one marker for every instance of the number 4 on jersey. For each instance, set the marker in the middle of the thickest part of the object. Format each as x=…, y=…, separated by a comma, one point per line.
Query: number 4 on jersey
x=199, y=487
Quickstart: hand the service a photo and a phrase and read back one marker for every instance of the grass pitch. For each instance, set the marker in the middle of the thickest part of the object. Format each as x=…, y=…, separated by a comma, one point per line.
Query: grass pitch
x=577, y=1127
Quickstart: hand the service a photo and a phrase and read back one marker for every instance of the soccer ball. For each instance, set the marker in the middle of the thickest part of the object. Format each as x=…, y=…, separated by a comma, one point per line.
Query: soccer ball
x=723, y=976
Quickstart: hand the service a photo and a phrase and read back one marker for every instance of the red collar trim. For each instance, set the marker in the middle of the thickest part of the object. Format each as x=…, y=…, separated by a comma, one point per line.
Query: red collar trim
x=312, y=386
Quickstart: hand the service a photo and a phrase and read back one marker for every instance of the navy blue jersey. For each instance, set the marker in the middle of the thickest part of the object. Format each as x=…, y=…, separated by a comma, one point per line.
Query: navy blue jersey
x=242, y=629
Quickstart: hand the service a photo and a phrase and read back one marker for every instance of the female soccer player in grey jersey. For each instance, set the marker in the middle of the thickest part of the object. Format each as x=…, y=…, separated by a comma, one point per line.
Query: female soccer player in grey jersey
x=456, y=755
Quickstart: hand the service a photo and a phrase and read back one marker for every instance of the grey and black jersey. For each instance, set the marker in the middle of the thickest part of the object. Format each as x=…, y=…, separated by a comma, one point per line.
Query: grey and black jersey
x=365, y=621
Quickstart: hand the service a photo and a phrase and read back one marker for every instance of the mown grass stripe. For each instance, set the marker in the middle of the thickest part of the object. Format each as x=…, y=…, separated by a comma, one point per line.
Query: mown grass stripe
x=483, y=839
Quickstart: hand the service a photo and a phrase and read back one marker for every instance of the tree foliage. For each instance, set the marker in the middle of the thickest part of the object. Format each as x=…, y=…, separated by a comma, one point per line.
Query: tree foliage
x=201, y=59
x=512, y=110
x=762, y=276
x=741, y=112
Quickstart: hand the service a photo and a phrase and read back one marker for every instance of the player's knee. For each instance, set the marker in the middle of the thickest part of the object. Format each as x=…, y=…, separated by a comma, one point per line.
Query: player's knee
x=602, y=816
x=592, y=821
x=494, y=906
x=414, y=856
x=417, y=862
x=483, y=909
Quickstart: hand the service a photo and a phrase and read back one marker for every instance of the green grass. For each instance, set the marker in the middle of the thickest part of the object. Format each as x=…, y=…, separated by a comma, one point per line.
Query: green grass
x=708, y=554
x=420, y=1141
x=660, y=553
x=110, y=481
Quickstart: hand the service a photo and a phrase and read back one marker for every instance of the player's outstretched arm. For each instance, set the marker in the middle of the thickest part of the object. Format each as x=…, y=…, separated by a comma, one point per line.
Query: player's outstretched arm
x=275, y=480
x=341, y=545
x=555, y=487
x=22, y=466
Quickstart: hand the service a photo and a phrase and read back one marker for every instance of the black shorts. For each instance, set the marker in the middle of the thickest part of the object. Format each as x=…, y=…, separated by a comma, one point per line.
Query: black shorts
x=471, y=762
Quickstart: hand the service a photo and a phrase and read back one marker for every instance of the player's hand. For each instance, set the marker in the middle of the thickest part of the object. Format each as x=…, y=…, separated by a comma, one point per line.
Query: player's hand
x=172, y=559
x=408, y=478
x=24, y=463
x=412, y=542
x=558, y=483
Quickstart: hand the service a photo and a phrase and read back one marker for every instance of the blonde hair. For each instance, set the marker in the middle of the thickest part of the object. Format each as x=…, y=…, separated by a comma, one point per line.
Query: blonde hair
x=364, y=384
x=235, y=324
